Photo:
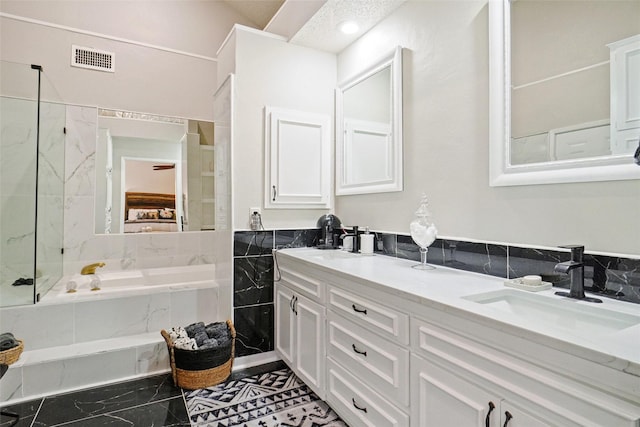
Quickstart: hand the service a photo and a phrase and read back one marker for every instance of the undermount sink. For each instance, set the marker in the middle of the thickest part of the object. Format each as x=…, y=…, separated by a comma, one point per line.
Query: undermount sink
x=562, y=313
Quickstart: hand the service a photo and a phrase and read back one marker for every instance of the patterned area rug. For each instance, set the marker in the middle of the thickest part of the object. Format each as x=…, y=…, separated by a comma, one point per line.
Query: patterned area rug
x=274, y=399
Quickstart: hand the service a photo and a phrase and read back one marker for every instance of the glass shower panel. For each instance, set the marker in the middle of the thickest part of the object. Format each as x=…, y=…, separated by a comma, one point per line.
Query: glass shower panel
x=18, y=127
x=50, y=207
x=50, y=210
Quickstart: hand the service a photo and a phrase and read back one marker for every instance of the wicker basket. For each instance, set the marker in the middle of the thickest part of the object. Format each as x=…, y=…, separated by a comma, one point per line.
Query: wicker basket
x=12, y=355
x=195, y=369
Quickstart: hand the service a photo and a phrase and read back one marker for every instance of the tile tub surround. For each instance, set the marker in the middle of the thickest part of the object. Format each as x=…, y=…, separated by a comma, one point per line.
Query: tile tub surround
x=65, y=344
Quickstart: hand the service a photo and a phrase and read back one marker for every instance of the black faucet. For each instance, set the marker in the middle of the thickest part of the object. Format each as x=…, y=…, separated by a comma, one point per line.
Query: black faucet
x=575, y=270
x=356, y=241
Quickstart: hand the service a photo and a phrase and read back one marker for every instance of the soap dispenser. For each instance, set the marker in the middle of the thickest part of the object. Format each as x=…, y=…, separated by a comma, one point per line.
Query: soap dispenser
x=366, y=242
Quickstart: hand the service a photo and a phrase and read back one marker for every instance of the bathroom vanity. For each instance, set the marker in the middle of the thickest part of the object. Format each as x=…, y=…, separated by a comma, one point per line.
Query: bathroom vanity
x=388, y=345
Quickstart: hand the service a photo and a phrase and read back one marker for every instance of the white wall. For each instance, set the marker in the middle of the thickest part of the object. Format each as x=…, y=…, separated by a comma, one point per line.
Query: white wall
x=446, y=146
x=272, y=72
x=192, y=26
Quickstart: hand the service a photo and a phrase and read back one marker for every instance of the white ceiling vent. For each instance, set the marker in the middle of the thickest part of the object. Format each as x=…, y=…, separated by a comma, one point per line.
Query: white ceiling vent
x=93, y=59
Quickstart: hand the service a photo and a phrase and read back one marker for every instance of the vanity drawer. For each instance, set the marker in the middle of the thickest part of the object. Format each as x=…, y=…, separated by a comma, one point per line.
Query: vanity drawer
x=386, y=321
x=382, y=365
x=357, y=404
x=302, y=282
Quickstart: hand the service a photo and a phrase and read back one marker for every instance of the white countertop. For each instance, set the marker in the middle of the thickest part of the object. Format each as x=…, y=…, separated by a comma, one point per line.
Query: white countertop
x=618, y=348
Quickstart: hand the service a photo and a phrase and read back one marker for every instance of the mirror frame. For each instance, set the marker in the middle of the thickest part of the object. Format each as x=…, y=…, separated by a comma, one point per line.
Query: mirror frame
x=501, y=172
x=394, y=61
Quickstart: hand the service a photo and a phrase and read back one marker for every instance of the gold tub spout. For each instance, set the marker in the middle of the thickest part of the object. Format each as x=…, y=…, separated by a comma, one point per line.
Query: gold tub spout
x=91, y=268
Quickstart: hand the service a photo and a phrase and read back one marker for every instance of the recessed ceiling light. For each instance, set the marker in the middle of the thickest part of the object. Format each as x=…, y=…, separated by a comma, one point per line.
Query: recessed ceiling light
x=349, y=27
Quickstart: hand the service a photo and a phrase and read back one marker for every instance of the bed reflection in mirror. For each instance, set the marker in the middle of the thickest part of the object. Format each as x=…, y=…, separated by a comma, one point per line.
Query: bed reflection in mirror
x=153, y=174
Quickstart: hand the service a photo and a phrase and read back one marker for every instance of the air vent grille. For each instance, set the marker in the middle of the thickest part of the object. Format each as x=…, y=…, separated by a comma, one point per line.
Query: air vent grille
x=93, y=59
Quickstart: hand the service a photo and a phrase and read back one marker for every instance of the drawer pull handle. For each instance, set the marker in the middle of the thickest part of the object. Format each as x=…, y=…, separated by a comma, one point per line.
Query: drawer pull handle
x=364, y=353
x=491, y=408
x=359, y=408
x=507, y=416
x=358, y=310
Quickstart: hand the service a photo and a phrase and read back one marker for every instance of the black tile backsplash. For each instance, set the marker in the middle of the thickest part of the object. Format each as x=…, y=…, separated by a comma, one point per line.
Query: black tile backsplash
x=252, y=280
x=246, y=243
x=296, y=238
x=254, y=329
x=612, y=277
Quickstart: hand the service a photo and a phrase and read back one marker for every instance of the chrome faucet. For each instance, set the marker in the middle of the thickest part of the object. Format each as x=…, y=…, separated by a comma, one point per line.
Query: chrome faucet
x=575, y=269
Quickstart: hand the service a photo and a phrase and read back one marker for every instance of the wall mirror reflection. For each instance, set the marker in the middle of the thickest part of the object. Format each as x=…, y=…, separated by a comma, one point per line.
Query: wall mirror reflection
x=369, y=129
x=153, y=174
x=571, y=98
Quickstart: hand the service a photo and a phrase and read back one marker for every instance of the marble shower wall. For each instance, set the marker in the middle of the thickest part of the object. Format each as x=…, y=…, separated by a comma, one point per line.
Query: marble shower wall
x=118, y=251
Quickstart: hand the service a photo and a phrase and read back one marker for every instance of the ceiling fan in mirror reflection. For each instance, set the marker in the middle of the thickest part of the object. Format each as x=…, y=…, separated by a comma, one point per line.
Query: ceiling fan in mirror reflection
x=164, y=167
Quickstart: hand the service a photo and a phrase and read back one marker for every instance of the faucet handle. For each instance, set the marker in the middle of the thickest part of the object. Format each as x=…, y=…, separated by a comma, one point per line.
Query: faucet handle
x=576, y=251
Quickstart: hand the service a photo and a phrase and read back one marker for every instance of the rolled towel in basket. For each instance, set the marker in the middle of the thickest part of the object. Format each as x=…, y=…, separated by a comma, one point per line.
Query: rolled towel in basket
x=209, y=343
x=177, y=332
x=8, y=341
x=200, y=338
x=195, y=328
x=185, y=344
x=218, y=331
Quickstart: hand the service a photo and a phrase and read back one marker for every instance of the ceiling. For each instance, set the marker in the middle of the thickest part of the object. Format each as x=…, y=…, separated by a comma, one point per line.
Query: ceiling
x=259, y=12
x=320, y=31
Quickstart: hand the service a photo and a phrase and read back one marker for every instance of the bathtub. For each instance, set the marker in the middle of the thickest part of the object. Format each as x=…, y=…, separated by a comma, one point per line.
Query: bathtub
x=135, y=282
x=77, y=340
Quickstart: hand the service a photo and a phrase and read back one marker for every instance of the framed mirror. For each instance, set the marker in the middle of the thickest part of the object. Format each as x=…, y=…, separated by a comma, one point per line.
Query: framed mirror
x=564, y=91
x=154, y=174
x=369, y=129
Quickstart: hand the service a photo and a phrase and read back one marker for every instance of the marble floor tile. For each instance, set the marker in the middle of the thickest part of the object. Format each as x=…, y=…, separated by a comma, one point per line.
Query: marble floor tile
x=166, y=413
x=152, y=401
x=107, y=399
x=26, y=410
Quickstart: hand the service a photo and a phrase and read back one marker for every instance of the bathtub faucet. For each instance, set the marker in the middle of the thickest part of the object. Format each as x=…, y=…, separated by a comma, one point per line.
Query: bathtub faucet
x=91, y=268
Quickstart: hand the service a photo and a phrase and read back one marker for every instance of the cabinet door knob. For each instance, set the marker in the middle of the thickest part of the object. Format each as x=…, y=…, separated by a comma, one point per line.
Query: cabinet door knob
x=359, y=310
x=359, y=408
x=274, y=193
x=364, y=353
x=488, y=419
x=507, y=416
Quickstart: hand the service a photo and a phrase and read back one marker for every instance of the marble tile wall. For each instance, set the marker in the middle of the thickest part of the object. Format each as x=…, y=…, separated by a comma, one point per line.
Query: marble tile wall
x=253, y=284
x=614, y=277
x=120, y=335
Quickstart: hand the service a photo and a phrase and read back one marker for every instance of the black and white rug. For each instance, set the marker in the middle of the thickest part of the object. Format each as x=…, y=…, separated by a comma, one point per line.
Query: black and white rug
x=274, y=399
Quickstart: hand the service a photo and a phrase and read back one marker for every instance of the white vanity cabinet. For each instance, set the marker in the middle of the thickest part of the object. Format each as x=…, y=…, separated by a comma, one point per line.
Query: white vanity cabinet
x=456, y=379
x=391, y=359
x=368, y=376
x=442, y=396
x=300, y=326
